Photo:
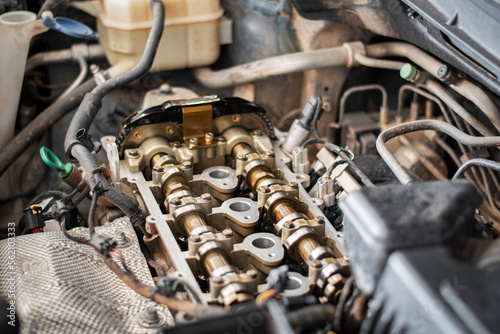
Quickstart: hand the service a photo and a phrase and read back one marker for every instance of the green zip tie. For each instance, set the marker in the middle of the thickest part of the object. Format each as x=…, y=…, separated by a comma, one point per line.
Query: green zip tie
x=54, y=162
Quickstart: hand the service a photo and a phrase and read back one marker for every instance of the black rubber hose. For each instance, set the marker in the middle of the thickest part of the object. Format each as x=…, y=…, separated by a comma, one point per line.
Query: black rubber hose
x=50, y=5
x=476, y=162
x=310, y=317
x=92, y=101
x=84, y=116
x=435, y=125
x=45, y=120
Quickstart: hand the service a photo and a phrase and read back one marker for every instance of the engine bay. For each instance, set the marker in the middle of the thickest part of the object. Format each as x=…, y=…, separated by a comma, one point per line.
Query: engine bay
x=238, y=166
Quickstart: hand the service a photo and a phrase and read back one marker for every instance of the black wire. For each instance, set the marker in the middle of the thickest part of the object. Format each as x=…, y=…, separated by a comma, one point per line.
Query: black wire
x=362, y=176
x=317, y=114
x=188, y=286
x=313, y=141
x=92, y=212
x=335, y=164
x=80, y=197
x=62, y=222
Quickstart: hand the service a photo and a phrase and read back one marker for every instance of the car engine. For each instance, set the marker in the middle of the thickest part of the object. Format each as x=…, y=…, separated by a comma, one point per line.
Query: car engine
x=243, y=166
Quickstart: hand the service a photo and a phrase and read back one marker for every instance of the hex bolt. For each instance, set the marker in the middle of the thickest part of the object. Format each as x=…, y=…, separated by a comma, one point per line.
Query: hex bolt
x=193, y=142
x=263, y=189
x=120, y=238
x=320, y=220
x=133, y=153
x=195, y=238
x=294, y=185
x=241, y=157
x=169, y=130
x=206, y=197
x=217, y=280
x=257, y=133
x=315, y=264
x=252, y=273
x=221, y=139
x=186, y=165
x=138, y=135
x=209, y=137
x=228, y=233
x=151, y=315
x=165, y=89
x=175, y=201
x=177, y=144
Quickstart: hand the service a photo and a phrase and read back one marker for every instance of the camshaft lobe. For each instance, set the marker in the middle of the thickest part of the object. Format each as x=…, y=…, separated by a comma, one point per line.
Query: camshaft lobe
x=282, y=209
x=214, y=261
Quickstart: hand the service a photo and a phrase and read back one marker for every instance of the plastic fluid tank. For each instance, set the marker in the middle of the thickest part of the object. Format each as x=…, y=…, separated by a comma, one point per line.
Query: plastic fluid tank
x=16, y=30
x=190, y=38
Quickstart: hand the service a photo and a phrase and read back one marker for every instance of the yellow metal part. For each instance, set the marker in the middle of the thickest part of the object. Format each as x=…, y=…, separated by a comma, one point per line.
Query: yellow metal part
x=197, y=121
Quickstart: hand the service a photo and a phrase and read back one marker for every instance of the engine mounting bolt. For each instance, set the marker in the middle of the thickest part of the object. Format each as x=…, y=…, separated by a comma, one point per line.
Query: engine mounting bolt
x=193, y=142
x=209, y=137
x=263, y=189
x=133, y=153
x=315, y=264
x=217, y=280
x=236, y=118
x=151, y=315
x=228, y=233
x=195, y=238
x=169, y=130
x=294, y=185
x=320, y=220
x=165, y=89
x=206, y=197
x=138, y=135
x=186, y=165
x=257, y=133
x=175, y=201
x=252, y=273
x=120, y=238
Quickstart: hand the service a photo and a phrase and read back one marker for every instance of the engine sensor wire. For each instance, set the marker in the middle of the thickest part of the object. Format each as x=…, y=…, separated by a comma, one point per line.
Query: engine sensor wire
x=106, y=250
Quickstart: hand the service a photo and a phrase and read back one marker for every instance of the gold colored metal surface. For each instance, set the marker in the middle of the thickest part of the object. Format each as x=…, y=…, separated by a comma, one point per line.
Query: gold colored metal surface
x=197, y=121
x=214, y=260
x=175, y=186
x=306, y=246
x=283, y=209
x=156, y=158
x=240, y=148
x=257, y=175
x=193, y=221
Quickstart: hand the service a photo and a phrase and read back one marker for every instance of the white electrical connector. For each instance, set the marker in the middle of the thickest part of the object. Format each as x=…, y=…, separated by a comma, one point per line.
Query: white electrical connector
x=300, y=162
x=325, y=190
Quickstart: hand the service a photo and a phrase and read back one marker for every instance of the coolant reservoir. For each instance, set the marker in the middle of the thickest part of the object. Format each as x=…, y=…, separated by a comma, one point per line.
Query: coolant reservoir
x=190, y=38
